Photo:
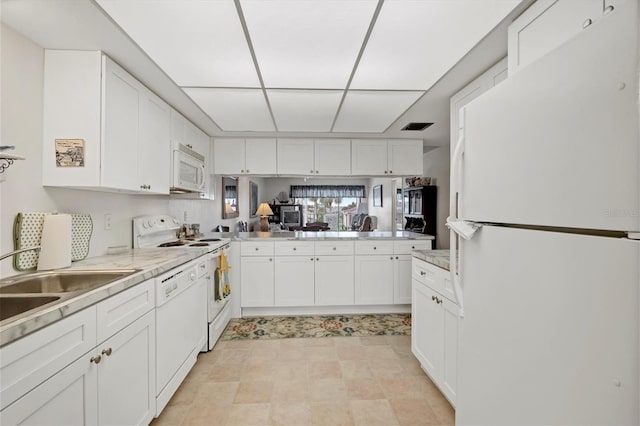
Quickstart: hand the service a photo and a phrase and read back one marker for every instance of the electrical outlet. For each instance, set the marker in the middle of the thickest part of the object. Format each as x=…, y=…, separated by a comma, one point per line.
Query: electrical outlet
x=107, y=222
x=185, y=217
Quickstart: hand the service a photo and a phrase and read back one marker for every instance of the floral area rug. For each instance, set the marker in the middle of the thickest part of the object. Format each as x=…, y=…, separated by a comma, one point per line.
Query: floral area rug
x=283, y=327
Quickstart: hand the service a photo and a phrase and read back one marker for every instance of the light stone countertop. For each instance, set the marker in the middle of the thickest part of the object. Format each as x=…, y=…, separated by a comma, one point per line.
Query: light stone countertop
x=321, y=235
x=438, y=258
x=150, y=261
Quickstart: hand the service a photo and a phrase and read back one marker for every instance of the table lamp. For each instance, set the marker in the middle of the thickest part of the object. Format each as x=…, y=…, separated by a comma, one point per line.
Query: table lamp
x=264, y=210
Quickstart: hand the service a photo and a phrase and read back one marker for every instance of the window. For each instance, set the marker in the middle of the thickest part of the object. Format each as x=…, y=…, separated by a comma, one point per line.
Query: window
x=333, y=204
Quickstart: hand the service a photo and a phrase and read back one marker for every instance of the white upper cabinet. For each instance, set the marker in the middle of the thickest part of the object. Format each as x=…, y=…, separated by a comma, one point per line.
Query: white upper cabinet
x=186, y=133
x=332, y=157
x=295, y=157
x=481, y=84
x=404, y=157
x=154, y=152
x=102, y=128
x=234, y=156
x=320, y=157
x=549, y=23
x=380, y=157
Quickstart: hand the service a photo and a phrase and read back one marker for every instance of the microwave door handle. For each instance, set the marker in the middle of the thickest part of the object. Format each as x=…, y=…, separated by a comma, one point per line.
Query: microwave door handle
x=200, y=176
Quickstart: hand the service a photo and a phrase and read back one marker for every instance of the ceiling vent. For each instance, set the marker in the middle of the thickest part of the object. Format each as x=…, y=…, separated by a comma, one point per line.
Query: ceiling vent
x=416, y=126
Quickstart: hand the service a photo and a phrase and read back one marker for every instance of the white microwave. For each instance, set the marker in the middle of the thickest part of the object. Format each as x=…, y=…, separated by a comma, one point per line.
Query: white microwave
x=188, y=170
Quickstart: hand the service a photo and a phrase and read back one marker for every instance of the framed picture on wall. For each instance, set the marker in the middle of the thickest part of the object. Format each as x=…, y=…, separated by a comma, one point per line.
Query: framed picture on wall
x=253, y=201
x=377, y=196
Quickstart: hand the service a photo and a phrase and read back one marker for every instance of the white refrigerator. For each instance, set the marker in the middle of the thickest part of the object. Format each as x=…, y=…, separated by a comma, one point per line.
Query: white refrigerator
x=546, y=196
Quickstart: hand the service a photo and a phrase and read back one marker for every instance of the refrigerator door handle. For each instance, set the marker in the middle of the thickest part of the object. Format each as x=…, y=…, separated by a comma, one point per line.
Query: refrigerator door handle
x=465, y=230
x=456, y=162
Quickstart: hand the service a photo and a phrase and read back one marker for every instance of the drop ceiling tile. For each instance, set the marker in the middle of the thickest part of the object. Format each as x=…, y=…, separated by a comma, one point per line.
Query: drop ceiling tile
x=196, y=42
x=304, y=110
x=415, y=42
x=307, y=44
x=372, y=111
x=234, y=109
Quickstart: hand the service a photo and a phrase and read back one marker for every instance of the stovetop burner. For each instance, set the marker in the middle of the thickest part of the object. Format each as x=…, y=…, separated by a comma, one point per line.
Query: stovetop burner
x=210, y=239
x=173, y=244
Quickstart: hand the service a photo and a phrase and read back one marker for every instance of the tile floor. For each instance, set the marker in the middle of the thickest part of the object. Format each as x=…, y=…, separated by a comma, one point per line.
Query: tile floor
x=313, y=381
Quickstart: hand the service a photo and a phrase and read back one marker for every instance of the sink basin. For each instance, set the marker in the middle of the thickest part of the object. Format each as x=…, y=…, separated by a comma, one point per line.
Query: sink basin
x=61, y=281
x=12, y=306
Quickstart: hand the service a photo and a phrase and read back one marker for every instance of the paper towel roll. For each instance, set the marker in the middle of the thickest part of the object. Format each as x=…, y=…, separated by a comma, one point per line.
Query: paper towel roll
x=55, y=243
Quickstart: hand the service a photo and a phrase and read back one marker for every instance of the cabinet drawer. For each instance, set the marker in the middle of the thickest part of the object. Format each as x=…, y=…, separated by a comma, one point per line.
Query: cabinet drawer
x=256, y=248
x=374, y=247
x=329, y=248
x=424, y=273
x=294, y=248
x=407, y=246
x=120, y=310
x=31, y=360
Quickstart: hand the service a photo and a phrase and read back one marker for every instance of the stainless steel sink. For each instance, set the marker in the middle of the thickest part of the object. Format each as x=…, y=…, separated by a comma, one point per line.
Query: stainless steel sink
x=61, y=281
x=16, y=305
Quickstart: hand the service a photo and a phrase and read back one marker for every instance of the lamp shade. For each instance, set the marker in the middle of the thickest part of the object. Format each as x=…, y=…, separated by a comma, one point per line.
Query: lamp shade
x=264, y=210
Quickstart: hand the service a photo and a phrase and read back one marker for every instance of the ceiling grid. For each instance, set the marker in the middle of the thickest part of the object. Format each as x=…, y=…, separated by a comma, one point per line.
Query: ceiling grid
x=333, y=66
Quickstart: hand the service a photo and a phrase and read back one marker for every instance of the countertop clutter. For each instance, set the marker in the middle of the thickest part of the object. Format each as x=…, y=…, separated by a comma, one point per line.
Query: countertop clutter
x=150, y=261
x=439, y=258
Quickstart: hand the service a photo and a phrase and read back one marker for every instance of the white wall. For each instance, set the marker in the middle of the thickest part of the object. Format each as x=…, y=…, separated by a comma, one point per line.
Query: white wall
x=383, y=214
x=436, y=165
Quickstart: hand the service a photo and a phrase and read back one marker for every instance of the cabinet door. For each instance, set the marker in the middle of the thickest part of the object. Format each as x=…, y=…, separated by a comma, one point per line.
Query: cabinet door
x=369, y=157
x=154, y=150
x=256, y=281
x=178, y=128
x=31, y=360
x=121, y=131
x=294, y=280
x=333, y=157
x=68, y=398
x=260, y=156
x=484, y=82
x=546, y=25
x=228, y=156
x=295, y=156
x=197, y=140
x=334, y=280
x=404, y=157
x=402, y=279
x=127, y=373
x=428, y=330
x=450, y=347
x=374, y=280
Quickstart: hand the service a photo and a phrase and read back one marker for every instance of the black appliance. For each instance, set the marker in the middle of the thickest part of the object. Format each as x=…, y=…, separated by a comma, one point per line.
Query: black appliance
x=420, y=206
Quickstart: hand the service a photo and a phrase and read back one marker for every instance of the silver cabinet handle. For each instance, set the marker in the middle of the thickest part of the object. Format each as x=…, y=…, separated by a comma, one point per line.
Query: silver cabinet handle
x=586, y=23
x=334, y=249
x=608, y=9
x=247, y=170
x=311, y=258
x=241, y=170
x=311, y=170
x=96, y=359
x=257, y=249
x=391, y=258
x=390, y=171
x=385, y=172
x=270, y=260
x=294, y=249
x=107, y=351
x=317, y=258
x=433, y=298
x=423, y=273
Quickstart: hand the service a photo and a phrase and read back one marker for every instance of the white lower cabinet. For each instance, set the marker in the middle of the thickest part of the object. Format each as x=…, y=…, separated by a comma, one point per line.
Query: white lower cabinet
x=70, y=397
x=294, y=280
x=256, y=281
x=373, y=280
x=126, y=375
x=327, y=273
x=402, y=279
x=334, y=283
x=111, y=382
x=434, y=321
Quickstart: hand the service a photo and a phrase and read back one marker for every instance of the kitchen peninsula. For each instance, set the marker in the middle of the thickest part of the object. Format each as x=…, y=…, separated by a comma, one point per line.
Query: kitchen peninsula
x=291, y=273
